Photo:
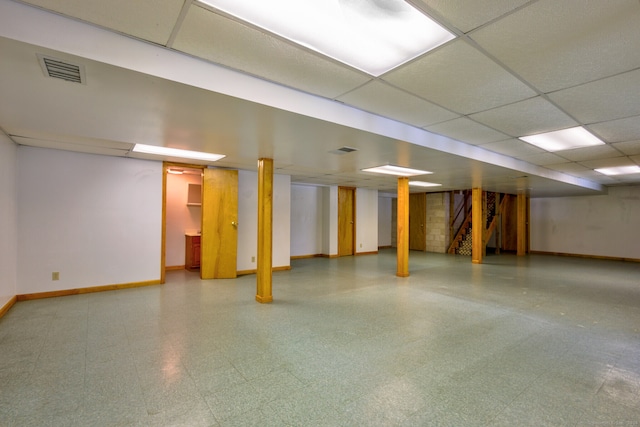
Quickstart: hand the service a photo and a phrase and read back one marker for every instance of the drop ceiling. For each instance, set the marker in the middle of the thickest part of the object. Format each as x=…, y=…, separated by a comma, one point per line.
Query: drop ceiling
x=177, y=73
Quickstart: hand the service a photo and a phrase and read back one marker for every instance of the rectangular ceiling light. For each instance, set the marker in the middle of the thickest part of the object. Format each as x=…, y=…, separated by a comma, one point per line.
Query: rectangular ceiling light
x=176, y=152
x=619, y=170
x=423, y=184
x=396, y=170
x=373, y=36
x=564, y=139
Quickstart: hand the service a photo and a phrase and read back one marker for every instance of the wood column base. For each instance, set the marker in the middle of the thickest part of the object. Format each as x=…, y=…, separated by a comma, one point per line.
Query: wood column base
x=264, y=300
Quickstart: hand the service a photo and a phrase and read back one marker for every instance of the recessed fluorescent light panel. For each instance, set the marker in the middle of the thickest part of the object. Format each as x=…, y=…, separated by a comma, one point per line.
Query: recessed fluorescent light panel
x=396, y=170
x=373, y=36
x=620, y=170
x=564, y=139
x=176, y=152
x=423, y=184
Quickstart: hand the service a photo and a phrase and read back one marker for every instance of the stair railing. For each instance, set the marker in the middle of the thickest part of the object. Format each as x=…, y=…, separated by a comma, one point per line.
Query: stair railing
x=463, y=212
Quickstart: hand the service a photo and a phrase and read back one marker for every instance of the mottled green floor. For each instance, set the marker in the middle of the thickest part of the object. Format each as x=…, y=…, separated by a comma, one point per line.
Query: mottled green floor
x=533, y=341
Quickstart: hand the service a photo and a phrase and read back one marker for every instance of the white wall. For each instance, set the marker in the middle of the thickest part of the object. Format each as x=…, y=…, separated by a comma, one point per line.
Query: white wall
x=180, y=217
x=94, y=219
x=306, y=220
x=330, y=221
x=8, y=220
x=366, y=220
x=248, y=220
x=607, y=225
x=384, y=221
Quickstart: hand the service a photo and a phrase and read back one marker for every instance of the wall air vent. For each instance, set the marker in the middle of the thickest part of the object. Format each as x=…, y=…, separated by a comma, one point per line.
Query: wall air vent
x=343, y=150
x=64, y=70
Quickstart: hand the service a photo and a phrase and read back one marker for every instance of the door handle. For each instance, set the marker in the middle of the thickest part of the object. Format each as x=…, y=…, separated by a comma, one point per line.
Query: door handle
x=235, y=224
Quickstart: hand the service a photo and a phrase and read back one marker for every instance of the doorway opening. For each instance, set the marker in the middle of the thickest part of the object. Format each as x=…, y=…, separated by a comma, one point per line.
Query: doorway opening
x=182, y=217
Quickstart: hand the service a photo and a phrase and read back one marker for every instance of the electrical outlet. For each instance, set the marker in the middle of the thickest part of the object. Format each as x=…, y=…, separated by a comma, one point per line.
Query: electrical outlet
x=55, y=275
x=253, y=259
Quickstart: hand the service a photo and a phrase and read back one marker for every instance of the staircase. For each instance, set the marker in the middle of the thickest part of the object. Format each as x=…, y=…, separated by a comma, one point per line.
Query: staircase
x=462, y=242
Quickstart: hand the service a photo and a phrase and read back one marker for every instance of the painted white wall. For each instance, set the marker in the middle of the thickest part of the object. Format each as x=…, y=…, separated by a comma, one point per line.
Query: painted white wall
x=606, y=225
x=366, y=220
x=180, y=217
x=95, y=219
x=384, y=220
x=330, y=221
x=248, y=220
x=8, y=220
x=306, y=220
x=281, y=220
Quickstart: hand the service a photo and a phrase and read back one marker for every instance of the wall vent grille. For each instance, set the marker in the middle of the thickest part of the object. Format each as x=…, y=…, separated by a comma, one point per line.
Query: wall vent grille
x=343, y=150
x=63, y=70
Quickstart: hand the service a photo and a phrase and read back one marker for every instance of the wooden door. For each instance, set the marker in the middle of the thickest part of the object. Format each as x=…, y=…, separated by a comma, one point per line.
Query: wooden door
x=418, y=221
x=346, y=221
x=219, y=241
x=509, y=224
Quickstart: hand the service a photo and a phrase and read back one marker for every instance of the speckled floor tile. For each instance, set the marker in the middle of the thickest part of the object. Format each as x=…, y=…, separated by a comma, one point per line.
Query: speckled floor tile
x=533, y=341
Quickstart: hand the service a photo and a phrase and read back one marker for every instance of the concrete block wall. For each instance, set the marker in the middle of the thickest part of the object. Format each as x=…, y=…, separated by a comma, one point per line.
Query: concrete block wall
x=437, y=222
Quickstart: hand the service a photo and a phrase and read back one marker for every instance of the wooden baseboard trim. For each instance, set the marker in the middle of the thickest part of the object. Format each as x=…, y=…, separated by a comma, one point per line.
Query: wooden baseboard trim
x=78, y=291
x=367, y=253
x=385, y=247
x=8, y=305
x=174, y=268
x=247, y=272
x=313, y=256
x=609, y=258
x=307, y=256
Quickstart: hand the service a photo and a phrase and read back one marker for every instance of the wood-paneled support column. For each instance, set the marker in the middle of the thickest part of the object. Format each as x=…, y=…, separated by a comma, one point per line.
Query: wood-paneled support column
x=403, y=228
x=477, y=225
x=522, y=224
x=265, y=230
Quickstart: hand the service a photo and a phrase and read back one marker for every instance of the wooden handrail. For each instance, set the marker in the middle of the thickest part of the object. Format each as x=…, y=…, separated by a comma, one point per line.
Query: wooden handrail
x=463, y=206
x=498, y=211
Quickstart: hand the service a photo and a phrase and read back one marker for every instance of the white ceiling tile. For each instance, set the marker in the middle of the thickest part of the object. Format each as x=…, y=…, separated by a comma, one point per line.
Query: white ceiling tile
x=557, y=44
x=531, y=116
x=81, y=148
x=618, y=130
x=571, y=168
x=513, y=148
x=599, y=178
x=246, y=165
x=151, y=20
x=210, y=36
x=466, y=15
x=589, y=153
x=543, y=159
x=608, y=163
x=630, y=148
x=607, y=99
x=300, y=170
x=465, y=130
x=25, y=136
x=380, y=98
x=194, y=115
x=628, y=179
x=460, y=78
